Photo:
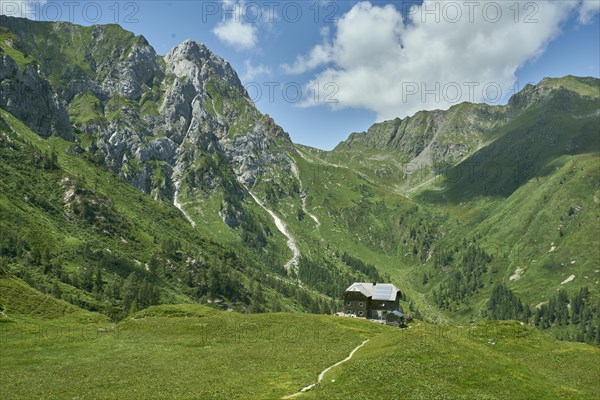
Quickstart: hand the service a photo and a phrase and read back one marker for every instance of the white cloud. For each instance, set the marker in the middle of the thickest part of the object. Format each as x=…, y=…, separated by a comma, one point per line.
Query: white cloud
x=378, y=59
x=238, y=34
x=253, y=71
x=242, y=21
x=237, y=31
x=588, y=9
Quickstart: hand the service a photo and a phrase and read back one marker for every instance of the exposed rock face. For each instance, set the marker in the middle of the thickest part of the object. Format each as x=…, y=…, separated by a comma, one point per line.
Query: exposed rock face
x=128, y=77
x=230, y=215
x=192, y=112
x=163, y=149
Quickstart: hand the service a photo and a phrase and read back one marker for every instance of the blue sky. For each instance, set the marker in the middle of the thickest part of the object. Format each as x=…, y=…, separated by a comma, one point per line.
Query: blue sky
x=370, y=61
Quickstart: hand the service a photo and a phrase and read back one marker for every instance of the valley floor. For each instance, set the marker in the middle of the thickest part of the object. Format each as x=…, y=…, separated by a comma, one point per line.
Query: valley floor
x=192, y=352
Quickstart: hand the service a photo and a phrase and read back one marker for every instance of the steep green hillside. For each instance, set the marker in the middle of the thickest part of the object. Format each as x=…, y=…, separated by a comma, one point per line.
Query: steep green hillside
x=518, y=207
x=403, y=153
x=72, y=229
x=531, y=197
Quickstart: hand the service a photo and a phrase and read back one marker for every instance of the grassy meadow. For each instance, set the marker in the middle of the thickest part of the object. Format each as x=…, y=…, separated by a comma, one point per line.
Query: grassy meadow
x=197, y=352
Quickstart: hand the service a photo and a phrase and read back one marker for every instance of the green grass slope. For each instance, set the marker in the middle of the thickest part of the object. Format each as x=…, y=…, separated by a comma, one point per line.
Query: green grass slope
x=186, y=352
x=191, y=352
x=492, y=360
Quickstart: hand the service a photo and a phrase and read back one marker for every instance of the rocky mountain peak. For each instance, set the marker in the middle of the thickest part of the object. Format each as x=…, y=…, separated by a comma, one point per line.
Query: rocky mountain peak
x=189, y=49
x=194, y=61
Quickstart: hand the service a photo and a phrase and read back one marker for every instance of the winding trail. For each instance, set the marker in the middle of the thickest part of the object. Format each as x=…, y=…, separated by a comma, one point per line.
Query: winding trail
x=322, y=374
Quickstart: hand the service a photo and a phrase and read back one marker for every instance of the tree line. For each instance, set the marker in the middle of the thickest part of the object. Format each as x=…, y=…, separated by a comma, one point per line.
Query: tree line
x=573, y=317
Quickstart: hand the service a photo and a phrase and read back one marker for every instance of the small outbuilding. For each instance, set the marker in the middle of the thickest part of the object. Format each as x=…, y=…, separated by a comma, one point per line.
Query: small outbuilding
x=396, y=318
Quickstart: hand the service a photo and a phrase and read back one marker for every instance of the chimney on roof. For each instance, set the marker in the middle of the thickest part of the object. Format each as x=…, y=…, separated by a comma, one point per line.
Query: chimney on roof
x=374, y=283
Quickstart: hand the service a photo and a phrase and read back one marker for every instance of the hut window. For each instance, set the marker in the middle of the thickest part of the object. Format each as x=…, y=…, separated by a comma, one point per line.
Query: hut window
x=360, y=304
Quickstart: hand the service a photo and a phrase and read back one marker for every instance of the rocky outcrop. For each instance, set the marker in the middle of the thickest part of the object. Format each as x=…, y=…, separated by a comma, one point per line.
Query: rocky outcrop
x=29, y=97
x=193, y=62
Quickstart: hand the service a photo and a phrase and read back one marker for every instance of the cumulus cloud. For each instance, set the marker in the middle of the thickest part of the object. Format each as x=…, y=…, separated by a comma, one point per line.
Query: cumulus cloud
x=254, y=71
x=440, y=54
x=237, y=31
x=238, y=34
